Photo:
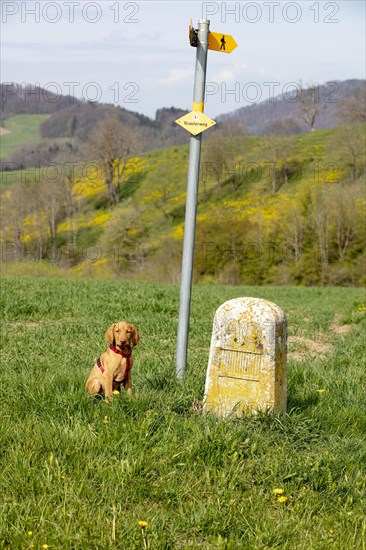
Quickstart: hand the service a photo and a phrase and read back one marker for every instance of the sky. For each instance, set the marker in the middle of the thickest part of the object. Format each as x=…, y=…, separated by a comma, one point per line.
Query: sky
x=137, y=54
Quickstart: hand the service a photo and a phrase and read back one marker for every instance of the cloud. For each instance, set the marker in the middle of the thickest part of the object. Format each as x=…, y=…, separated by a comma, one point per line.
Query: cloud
x=178, y=75
x=234, y=71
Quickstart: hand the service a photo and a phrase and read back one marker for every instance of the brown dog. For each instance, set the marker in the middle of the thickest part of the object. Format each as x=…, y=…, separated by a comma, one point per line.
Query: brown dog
x=114, y=366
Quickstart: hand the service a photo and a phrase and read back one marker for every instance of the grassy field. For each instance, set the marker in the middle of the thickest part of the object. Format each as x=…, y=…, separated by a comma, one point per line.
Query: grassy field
x=79, y=474
x=23, y=129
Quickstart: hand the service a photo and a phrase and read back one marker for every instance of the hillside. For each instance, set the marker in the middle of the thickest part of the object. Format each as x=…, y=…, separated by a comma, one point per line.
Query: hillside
x=19, y=99
x=287, y=107
x=276, y=210
x=71, y=120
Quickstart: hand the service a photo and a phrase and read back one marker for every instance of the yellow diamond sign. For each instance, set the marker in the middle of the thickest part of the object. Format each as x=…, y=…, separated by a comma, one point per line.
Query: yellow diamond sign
x=195, y=122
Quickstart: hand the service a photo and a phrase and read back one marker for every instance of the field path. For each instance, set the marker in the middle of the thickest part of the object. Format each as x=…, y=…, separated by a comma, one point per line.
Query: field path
x=4, y=131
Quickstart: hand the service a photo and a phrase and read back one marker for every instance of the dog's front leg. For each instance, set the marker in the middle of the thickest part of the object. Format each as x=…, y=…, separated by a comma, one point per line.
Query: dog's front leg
x=128, y=383
x=108, y=386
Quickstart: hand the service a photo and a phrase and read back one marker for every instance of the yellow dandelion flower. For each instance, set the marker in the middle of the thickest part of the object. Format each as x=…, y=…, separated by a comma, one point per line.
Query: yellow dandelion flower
x=321, y=391
x=45, y=546
x=278, y=491
x=282, y=499
x=106, y=419
x=115, y=392
x=30, y=533
x=142, y=524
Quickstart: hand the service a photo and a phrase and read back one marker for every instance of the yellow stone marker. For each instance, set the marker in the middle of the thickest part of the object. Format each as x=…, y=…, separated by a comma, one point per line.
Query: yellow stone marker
x=247, y=364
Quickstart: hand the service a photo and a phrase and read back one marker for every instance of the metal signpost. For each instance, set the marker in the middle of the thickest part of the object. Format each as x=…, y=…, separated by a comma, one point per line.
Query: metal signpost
x=194, y=122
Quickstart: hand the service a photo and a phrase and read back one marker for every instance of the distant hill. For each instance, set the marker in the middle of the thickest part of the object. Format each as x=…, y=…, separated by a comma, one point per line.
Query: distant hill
x=73, y=118
x=68, y=122
x=18, y=99
x=258, y=118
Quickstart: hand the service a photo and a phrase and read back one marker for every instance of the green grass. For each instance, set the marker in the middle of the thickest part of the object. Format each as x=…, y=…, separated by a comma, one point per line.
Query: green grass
x=80, y=474
x=23, y=129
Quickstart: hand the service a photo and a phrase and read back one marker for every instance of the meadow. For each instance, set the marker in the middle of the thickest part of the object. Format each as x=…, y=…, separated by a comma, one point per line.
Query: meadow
x=23, y=130
x=80, y=474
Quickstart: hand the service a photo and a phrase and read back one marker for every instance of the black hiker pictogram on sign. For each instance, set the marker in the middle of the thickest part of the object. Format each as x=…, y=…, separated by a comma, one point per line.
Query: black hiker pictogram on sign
x=218, y=41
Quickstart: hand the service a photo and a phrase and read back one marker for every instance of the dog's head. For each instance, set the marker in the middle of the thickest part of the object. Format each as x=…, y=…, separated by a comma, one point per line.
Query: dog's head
x=122, y=335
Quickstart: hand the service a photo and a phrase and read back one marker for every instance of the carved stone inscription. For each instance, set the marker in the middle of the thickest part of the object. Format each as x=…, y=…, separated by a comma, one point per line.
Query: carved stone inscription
x=247, y=363
x=240, y=364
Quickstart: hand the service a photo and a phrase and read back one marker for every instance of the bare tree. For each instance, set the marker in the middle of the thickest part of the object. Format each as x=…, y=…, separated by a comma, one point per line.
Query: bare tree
x=110, y=145
x=349, y=146
x=320, y=223
x=310, y=105
x=277, y=150
x=15, y=208
x=214, y=159
x=50, y=207
x=353, y=108
x=71, y=195
x=221, y=152
x=344, y=218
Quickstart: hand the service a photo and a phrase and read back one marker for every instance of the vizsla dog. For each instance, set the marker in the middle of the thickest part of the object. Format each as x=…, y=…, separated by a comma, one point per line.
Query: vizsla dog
x=114, y=366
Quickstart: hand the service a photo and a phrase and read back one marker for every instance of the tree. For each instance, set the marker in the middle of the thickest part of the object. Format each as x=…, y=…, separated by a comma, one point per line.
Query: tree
x=277, y=150
x=110, y=145
x=15, y=208
x=50, y=207
x=214, y=159
x=220, y=154
x=353, y=107
x=310, y=106
x=70, y=194
x=348, y=149
x=319, y=216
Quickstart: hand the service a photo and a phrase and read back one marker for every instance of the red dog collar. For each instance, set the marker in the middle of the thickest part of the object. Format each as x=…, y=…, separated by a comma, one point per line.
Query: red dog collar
x=127, y=356
x=120, y=352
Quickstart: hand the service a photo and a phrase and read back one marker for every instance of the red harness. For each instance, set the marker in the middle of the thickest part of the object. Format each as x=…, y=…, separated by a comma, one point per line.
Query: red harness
x=120, y=352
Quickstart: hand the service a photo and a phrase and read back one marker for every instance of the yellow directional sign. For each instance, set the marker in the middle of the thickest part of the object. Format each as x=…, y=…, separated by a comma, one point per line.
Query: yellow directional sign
x=195, y=122
x=221, y=42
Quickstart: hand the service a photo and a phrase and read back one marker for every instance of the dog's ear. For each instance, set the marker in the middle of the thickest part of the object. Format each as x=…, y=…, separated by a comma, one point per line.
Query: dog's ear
x=109, y=335
x=135, y=337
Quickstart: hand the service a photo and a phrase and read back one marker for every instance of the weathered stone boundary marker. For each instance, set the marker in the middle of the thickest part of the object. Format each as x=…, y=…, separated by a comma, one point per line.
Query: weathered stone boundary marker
x=247, y=370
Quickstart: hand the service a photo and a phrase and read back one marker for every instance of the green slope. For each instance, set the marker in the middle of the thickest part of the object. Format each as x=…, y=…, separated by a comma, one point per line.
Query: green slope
x=23, y=129
x=307, y=228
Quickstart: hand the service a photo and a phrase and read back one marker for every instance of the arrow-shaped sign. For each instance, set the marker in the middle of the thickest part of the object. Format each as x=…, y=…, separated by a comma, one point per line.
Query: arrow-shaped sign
x=217, y=41
x=224, y=43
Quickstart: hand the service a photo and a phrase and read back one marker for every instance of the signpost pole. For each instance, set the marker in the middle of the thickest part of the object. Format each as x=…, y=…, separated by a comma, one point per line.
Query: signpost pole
x=191, y=203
